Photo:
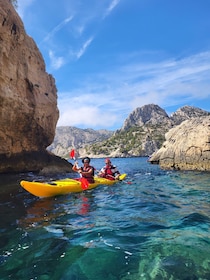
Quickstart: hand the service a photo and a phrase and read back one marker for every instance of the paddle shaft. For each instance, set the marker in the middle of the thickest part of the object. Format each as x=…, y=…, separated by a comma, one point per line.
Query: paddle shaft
x=84, y=181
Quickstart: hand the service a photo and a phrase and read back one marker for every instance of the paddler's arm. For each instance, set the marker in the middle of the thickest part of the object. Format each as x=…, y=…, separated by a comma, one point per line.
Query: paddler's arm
x=101, y=173
x=75, y=167
x=116, y=173
x=117, y=177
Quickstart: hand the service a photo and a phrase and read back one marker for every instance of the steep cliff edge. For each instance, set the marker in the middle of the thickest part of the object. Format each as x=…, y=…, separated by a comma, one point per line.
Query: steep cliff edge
x=28, y=98
x=187, y=146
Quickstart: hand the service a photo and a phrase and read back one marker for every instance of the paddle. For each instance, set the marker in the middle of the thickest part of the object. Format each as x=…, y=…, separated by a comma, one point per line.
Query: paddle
x=72, y=154
x=84, y=181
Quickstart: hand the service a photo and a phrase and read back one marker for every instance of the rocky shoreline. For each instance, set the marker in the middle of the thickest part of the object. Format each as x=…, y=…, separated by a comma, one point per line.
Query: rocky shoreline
x=187, y=146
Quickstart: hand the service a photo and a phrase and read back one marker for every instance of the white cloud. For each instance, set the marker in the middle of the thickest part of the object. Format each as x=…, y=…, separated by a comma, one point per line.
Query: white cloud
x=166, y=83
x=57, y=28
x=56, y=62
x=85, y=116
x=112, y=5
x=74, y=40
x=84, y=47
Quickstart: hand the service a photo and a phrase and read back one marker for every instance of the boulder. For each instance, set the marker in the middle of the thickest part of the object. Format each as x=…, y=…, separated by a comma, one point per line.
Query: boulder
x=187, y=146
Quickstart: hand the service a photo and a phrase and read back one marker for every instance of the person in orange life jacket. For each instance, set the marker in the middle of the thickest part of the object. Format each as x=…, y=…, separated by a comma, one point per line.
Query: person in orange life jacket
x=109, y=171
x=87, y=171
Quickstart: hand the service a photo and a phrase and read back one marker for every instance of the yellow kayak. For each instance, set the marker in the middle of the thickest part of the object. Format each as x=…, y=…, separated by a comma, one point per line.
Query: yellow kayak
x=64, y=186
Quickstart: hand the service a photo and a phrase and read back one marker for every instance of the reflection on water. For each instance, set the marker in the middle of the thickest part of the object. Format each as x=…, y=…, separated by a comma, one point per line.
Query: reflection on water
x=155, y=225
x=39, y=213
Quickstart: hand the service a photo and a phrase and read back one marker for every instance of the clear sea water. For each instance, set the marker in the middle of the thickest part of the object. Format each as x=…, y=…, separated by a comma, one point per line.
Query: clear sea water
x=154, y=225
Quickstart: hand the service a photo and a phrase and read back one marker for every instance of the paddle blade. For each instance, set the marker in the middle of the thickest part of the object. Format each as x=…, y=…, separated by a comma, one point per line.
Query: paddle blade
x=84, y=183
x=72, y=154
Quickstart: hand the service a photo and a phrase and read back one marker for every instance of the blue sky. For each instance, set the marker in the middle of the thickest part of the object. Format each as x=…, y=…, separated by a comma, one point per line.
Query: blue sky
x=109, y=57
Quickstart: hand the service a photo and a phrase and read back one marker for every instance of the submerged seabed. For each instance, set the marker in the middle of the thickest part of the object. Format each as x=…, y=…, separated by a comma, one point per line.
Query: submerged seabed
x=155, y=225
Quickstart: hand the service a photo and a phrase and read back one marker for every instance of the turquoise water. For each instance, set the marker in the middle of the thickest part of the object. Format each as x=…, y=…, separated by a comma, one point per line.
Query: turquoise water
x=155, y=225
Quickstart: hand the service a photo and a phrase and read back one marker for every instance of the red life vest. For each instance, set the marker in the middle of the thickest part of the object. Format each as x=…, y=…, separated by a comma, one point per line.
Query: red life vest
x=109, y=171
x=89, y=176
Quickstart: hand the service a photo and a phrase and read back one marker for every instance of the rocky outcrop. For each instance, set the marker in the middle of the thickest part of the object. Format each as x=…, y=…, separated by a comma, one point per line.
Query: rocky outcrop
x=187, y=146
x=28, y=98
x=186, y=113
x=150, y=114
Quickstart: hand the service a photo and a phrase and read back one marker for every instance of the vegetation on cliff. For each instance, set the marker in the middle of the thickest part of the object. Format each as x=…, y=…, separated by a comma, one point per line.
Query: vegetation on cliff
x=142, y=133
x=130, y=142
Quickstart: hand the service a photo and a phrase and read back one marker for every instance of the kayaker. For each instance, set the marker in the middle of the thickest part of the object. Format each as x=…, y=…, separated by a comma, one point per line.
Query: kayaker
x=87, y=171
x=109, y=171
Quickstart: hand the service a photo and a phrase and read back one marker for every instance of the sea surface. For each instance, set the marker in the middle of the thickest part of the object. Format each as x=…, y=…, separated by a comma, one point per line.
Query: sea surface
x=153, y=225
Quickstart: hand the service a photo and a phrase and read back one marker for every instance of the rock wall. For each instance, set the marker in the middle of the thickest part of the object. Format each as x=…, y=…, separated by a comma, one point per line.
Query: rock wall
x=150, y=114
x=187, y=146
x=28, y=97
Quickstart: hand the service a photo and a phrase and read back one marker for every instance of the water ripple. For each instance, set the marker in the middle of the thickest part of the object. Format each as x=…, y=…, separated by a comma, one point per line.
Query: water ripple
x=155, y=225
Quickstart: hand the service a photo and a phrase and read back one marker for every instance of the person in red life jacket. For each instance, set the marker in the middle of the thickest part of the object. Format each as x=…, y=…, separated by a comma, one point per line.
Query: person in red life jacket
x=109, y=171
x=87, y=171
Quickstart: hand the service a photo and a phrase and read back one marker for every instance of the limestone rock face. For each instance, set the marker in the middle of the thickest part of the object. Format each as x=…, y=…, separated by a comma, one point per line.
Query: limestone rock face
x=187, y=146
x=187, y=112
x=142, y=133
x=28, y=95
x=148, y=114
x=69, y=137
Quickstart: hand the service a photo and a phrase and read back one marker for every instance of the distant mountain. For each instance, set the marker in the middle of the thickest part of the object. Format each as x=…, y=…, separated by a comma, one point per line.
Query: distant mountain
x=186, y=113
x=146, y=115
x=69, y=137
x=142, y=133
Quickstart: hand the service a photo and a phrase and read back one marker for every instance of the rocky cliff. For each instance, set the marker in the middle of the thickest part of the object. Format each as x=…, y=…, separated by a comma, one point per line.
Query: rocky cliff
x=142, y=133
x=187, y=113
x=69, y=137
x=187, y=146
x=28, y=98
x=147, y=115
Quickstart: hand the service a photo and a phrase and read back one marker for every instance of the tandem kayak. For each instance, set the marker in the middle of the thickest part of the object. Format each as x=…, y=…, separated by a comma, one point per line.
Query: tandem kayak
x=64, y=186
